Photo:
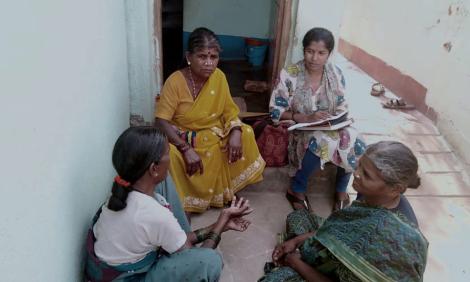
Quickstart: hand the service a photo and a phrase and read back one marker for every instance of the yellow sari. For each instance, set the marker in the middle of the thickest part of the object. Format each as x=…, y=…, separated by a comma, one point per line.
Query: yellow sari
x=205, y=123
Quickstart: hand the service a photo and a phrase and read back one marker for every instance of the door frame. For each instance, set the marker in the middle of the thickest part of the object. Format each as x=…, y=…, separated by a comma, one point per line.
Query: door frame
x=280, y=42
x=279, y=45
x=157, y=36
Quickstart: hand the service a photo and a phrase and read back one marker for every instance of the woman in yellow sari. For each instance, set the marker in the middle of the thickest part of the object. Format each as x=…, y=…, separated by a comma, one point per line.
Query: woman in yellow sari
x=213, y=154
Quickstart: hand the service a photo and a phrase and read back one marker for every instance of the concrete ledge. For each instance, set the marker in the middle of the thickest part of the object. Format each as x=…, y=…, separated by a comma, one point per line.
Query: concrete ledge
x=277, y=180
x=400, y=84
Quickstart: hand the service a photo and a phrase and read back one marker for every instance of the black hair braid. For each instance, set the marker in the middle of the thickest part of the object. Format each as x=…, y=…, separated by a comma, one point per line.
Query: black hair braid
x=135, y=150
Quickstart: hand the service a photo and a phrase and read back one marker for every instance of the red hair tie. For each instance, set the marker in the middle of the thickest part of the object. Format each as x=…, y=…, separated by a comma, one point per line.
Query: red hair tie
x=121, y=181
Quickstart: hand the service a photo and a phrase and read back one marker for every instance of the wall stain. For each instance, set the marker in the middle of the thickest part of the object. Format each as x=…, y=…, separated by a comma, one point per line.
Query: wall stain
x=447, y=46
x=458, y=9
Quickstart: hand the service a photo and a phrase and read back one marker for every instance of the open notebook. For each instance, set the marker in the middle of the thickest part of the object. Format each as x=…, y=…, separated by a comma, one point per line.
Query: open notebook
x=335, y=122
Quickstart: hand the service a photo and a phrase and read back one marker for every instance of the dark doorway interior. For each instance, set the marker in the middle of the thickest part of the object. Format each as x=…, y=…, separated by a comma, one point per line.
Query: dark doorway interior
x=237, y=72
x=172, y=39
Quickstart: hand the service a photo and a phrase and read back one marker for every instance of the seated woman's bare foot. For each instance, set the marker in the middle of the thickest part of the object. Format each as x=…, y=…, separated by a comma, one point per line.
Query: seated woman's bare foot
x=343, y=196
x=341, y=201
x=297, y=200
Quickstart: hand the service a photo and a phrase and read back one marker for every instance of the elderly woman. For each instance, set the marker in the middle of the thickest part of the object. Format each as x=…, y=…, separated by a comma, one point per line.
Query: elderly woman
x=213, y=154
x=310, y=91
x=375, y=239
x=136, y=236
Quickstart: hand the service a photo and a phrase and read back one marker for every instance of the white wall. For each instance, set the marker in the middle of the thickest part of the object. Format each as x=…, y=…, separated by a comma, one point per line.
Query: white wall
x=409, y=35
x=64, y=100
x=250, y=18
x=310, y=14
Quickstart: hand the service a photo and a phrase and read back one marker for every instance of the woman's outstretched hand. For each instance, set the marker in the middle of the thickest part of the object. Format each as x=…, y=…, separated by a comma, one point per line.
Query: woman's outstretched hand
x=237, y=224
x=238, y=208
x=193, y=162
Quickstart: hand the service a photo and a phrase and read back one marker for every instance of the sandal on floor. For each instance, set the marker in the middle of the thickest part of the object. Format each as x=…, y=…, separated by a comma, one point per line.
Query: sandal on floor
x=294, y=200
x=397, y=104
x=377, y=89
x=341, y=204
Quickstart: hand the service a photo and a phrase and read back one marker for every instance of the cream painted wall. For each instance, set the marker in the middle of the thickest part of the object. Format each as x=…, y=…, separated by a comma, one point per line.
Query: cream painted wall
x=64, y=100
x=310, y=14
x=229, y=17
x=410, y=35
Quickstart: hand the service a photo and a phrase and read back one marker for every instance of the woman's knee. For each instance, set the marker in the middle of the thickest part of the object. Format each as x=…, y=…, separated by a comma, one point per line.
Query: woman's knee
x=208, y=262
x=296, y=216
x=248, y=134
x=195, y=264
x=210, y=258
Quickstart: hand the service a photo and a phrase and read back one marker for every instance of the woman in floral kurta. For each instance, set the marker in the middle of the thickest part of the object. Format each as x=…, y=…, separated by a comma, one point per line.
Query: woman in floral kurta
x=308, y=91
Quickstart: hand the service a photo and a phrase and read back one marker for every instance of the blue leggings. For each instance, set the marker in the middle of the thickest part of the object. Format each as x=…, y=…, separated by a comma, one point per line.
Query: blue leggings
x=310, y=163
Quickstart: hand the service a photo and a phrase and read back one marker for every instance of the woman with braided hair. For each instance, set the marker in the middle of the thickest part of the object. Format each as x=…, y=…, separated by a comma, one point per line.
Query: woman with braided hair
x=141, y=232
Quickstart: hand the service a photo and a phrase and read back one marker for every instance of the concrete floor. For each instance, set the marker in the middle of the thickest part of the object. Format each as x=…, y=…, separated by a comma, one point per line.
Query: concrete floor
x=442, y=202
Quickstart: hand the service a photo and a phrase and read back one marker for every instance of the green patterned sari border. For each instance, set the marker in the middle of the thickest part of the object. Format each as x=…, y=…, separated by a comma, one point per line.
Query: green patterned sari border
x=359, y=266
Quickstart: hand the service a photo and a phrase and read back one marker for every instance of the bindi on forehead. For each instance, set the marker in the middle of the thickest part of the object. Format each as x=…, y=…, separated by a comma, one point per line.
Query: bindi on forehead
x=207, y=51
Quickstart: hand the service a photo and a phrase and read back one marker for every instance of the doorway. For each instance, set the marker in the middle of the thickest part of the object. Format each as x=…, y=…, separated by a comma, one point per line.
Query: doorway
x=241, y=26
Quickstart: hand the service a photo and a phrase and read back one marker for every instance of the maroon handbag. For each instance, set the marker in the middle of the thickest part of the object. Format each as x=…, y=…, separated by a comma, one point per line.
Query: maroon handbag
x=272, y=142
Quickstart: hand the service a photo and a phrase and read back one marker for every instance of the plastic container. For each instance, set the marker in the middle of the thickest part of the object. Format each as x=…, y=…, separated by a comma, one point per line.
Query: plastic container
x=255, y=42
x=256, y=54
x=256, y=51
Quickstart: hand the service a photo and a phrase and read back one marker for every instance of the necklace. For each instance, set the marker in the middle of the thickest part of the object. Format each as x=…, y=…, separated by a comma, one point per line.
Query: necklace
x=194, y=94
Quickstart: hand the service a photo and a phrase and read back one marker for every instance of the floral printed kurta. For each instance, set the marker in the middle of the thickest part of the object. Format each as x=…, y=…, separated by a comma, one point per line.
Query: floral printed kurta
x=294, y=93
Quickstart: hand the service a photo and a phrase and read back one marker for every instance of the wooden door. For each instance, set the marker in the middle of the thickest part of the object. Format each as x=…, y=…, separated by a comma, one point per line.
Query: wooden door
x=279, y=41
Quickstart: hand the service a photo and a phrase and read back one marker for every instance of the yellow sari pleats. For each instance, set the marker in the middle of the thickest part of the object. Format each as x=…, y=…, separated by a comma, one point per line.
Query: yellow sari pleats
x=209, y=122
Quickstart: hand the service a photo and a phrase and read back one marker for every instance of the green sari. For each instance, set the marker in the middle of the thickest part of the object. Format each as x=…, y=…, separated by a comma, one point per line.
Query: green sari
x=359, y=243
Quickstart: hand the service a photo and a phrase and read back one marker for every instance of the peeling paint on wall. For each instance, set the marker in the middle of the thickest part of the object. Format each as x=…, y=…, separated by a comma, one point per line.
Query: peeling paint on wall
x=439, y=36
x=447, y=46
